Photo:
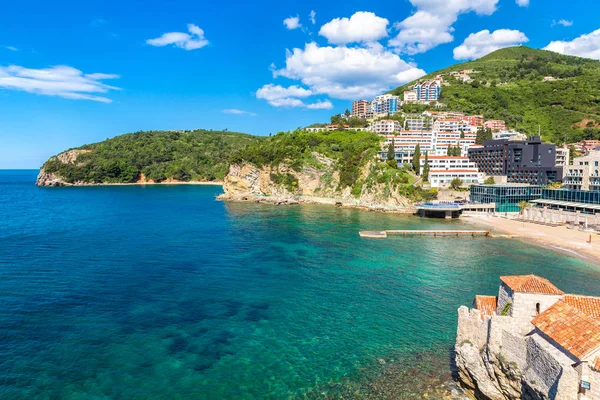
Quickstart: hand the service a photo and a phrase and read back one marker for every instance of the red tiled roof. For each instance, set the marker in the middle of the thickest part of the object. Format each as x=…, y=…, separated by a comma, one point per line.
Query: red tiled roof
x=486, y=304
x=596, y=364
x=530, y=284
x=587, y=304
x=575, y=331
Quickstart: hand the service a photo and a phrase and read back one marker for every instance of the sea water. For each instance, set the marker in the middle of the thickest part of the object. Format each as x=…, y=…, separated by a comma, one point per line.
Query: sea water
x=162, y=292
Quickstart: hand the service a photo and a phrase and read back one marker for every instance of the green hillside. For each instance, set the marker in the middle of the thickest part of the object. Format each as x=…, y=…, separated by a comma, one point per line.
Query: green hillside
x=509, y=86
x=160, y=155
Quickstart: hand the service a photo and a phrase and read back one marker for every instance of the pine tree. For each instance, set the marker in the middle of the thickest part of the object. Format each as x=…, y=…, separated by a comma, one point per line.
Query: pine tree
x=480, y=135
x=416, y=160
x=391, y=152
x=426, y=168
x=488, y=135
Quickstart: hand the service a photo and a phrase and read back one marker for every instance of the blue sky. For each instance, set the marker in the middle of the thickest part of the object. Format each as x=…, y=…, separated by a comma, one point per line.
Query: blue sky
x=78, y=72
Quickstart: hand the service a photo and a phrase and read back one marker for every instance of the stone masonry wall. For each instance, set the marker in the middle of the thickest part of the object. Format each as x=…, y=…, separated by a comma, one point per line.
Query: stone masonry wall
x=524, y=308
x=505, y=295
x=550, y=372
x=495, y=360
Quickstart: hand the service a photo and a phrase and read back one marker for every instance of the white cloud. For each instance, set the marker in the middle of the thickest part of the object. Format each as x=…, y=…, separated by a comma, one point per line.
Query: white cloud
x=11, y=48
x=522, y=3
x=431, y=24
x=320, y=105
x=587, y=45
x=361, y=27
x=562, y=22
x=292, y=22
x=62, y=81
x=192, y=41
x=279, y=96
x=313, y=17
x=479, y=44
x=347, y=72
x=235, y=111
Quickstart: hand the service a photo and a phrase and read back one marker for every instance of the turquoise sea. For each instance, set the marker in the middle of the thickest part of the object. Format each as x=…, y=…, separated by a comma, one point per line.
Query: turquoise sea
x=162, y=292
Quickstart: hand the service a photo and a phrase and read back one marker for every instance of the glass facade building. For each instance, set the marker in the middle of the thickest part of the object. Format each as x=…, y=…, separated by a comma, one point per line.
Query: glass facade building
x=507, y=197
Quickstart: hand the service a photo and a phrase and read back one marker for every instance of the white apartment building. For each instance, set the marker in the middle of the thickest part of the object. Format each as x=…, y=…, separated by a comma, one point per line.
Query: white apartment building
x=510, y=135
x=562, y=156
x=584, y=174
x=452, y=125
x=443, y=169
x=385, y=126
x=418, y=124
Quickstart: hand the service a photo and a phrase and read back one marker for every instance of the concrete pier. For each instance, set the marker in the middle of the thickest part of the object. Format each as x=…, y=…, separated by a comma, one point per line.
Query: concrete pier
x=429, y=233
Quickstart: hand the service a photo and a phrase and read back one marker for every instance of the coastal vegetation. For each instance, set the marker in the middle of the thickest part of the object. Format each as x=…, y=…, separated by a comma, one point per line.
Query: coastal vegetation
x=354, y=155
x=199, y=155
x=509, y=85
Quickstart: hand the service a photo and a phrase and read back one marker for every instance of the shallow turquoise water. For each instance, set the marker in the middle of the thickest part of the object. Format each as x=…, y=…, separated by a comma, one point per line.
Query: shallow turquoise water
x=163, y=292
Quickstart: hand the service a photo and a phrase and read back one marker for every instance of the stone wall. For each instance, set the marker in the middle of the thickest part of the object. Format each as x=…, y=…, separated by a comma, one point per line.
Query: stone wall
x=496, y=360
x=524, y=308
x=550, y=371
x=505, y=295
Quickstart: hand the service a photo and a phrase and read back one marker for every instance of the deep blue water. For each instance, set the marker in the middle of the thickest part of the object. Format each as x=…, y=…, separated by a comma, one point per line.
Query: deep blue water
x=163, y=292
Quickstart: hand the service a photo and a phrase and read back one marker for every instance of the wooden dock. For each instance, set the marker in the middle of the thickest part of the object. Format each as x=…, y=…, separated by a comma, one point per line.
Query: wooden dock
x=433, y=233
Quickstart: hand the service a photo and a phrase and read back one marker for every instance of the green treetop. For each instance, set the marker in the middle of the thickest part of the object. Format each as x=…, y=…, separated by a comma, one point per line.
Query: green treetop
x=416, y=160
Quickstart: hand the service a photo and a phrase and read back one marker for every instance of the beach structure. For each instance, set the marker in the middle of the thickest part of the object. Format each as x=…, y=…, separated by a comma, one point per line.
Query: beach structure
x=439, y=210
x=507, y=197
x=545, y=341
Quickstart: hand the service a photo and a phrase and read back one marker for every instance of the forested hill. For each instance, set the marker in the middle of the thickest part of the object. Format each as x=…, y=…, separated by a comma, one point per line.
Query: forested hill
x=509, y=85
x=198, y=155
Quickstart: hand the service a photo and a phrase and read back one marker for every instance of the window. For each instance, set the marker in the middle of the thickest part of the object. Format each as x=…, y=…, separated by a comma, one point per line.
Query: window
x=537, y=309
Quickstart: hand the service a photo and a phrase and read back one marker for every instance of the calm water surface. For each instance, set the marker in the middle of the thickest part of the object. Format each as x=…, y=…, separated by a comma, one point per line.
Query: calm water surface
x=163, y=292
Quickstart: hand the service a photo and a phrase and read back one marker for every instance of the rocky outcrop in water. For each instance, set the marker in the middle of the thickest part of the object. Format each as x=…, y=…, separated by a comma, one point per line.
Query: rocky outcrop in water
x=317, y=182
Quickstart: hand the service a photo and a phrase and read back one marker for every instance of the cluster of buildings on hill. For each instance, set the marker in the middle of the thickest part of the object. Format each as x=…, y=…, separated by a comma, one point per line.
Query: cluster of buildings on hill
x=473, y=149
x=549, y=340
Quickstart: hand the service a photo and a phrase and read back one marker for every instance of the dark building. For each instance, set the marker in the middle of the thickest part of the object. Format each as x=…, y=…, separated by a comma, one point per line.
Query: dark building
x=530, y=161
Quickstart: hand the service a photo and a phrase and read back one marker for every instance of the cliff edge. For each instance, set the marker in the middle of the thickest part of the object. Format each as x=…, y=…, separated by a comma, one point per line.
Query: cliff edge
x=315, y=182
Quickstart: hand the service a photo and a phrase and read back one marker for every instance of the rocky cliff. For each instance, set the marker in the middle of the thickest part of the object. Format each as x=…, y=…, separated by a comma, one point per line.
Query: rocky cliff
x=315, y=182
x=52, y=179
x=495, y=362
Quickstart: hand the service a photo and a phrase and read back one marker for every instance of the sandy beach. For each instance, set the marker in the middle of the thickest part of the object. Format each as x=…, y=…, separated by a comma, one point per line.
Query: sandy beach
x=559, y=238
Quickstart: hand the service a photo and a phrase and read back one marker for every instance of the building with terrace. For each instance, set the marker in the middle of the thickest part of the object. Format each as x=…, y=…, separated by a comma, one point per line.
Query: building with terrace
x=584, y=174
x=532, y=338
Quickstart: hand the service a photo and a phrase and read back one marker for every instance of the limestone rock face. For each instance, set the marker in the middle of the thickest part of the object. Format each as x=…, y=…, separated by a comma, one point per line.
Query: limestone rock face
x=485, y=375
x=51, y=179
x=314, y=182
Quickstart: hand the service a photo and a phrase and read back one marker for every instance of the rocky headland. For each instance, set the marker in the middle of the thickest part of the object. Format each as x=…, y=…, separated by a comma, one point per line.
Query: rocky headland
x=316, y=183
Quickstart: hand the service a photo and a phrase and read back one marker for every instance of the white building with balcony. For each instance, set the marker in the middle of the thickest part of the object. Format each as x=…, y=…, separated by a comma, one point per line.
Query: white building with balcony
x=385, y=126
x=584, y=174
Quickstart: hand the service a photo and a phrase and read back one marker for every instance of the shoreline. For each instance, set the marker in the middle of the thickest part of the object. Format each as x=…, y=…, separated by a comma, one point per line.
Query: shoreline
x=201, y=183
x=559, y=238
x=298, y=199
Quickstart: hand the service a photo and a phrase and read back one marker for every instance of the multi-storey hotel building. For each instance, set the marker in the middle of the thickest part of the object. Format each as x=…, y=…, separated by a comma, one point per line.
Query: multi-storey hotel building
x=584, y=173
